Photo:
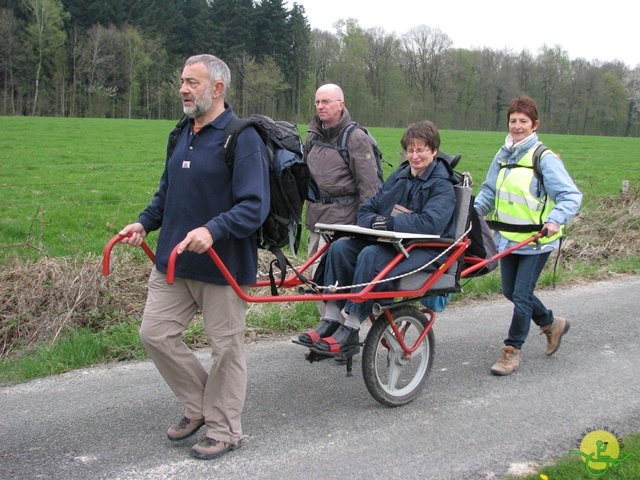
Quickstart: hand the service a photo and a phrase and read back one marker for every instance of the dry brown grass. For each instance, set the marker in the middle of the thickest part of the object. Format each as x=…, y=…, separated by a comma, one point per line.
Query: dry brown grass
x=39, y=300
x=604, y=231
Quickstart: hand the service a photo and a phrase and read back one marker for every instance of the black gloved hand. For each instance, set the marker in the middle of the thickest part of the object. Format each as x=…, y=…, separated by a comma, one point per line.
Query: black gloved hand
x=380, y=222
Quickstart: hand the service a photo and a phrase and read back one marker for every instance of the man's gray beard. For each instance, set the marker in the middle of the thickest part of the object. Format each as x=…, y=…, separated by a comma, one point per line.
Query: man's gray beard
x=200, y=108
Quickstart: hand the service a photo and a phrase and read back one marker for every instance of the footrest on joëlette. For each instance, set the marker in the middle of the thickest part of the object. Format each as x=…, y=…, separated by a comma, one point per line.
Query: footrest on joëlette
x=341, y=357
x=349, y=351
x=304, y=344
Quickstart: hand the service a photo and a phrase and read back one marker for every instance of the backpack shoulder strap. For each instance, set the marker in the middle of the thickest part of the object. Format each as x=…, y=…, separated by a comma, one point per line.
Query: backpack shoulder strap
x=535, y=161
x=343, y=139
x=309, y=142
x=281, y=261
x=175, y=134
x=537, y=155
x=537, y=169
x=341, y=146
x=236, y=125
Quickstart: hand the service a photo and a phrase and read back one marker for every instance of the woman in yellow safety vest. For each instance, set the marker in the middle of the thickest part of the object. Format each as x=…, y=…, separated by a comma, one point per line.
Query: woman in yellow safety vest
x=519, y=199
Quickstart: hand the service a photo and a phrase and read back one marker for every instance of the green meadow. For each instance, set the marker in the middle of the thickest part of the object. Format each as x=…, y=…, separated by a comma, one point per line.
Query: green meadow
x=67, y=185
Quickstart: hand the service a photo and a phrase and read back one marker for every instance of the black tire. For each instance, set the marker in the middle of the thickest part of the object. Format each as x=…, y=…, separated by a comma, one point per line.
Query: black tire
x=390, y=378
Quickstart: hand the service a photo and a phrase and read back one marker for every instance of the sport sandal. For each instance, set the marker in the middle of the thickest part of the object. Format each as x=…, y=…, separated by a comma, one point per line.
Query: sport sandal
x=344, y=340
x=325, y=329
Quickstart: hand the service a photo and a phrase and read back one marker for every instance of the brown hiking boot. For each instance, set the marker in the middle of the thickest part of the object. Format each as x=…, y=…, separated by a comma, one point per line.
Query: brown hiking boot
x=185, y=428
x=554, y=332
x=209, y=448
x=509, y=362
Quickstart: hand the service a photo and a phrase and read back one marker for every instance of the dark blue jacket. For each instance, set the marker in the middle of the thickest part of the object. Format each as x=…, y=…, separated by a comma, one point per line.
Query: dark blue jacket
x=432, y=200
x=430, y=197
x=197, y=188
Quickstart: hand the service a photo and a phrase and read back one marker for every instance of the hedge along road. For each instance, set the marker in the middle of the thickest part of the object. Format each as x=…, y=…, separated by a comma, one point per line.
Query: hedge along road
x=311, y=421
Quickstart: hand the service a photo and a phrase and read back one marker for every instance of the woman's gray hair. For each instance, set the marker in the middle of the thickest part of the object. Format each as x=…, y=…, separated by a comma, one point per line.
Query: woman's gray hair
x=218, y=70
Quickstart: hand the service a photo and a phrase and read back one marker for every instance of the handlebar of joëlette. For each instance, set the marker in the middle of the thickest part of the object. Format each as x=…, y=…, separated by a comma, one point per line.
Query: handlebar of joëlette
x=106, y=255
x=216, y=259
x=477, y=266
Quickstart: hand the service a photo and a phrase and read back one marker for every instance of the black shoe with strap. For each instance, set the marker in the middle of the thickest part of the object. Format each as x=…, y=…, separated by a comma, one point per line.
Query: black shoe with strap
x=344, y=341
x=326, y=328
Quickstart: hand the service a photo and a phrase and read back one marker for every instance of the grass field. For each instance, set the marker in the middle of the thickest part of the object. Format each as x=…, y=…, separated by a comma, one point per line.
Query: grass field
x=68, y=185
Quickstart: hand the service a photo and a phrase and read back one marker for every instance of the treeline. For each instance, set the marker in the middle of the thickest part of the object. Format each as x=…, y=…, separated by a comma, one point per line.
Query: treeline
x=122, y=59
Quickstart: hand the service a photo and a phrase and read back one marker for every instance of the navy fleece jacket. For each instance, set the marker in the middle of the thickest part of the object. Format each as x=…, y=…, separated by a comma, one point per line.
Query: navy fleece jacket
x=197, y=188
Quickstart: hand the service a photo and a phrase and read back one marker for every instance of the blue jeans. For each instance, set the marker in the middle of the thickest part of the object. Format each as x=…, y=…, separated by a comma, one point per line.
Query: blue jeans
x=357, y=261
x=520, y=274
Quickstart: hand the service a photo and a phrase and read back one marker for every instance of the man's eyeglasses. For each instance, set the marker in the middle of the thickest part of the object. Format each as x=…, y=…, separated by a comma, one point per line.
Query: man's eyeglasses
x=410, y=151
x=325, y=102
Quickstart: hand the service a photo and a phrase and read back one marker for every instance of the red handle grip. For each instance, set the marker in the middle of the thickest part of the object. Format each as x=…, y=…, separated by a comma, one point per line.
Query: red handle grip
x=106, y=255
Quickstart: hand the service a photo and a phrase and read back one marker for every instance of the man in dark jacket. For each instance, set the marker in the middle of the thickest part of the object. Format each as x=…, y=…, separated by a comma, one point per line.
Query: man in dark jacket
x=417, y=198
x=201, y=202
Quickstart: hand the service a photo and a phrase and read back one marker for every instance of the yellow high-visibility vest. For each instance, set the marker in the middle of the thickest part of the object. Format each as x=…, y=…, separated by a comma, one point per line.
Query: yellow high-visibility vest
x=514, y=203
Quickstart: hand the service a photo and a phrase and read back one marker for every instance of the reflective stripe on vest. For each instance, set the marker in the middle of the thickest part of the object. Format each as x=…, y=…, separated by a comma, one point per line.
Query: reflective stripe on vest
x=514, y=203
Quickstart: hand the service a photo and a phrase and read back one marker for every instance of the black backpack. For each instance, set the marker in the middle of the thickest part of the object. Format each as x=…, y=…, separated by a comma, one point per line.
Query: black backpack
x=290, y=183
x=341, y=147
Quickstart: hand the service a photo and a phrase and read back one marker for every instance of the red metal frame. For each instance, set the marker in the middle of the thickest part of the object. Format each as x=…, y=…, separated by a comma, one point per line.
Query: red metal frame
x=457, y=251
x=106, y=254
x=400, y=334
x=292, y=281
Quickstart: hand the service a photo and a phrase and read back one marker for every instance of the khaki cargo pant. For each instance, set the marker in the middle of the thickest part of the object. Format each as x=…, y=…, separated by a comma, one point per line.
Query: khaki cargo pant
x=218, y=395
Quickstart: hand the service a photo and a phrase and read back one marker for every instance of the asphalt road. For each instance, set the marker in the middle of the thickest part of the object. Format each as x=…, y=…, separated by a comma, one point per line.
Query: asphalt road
x=310, y=421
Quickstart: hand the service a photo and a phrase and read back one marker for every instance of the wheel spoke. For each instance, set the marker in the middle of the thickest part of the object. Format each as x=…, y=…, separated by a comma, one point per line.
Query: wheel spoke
x=392, y=342
x=394, y=374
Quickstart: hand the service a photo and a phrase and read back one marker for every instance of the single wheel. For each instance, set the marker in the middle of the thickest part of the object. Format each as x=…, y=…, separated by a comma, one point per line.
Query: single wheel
x=391, y=377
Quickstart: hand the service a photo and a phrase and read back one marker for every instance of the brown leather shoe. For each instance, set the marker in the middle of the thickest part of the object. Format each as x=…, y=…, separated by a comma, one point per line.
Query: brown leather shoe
x=183, y=429
x=554, y=332
x=509, y=363
x=209, y=448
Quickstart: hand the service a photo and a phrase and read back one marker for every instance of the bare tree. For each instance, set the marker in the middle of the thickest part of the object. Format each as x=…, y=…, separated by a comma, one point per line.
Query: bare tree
x=632, y=82
x=46, y=32
x=9, y=50
x=160, y=86
x=524, y=65
x=424, y=54
x=382, y=73
x=324, y=53
x=137, y=60
x=98, y=59
x=466, y=85
x=554, y=67
x=262, y=83
x=497, y=87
